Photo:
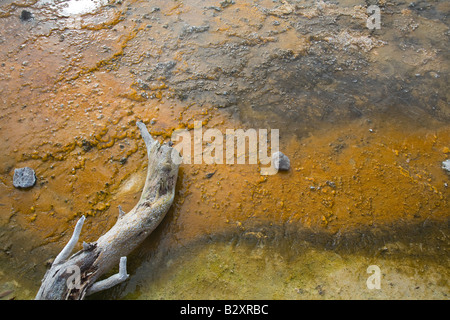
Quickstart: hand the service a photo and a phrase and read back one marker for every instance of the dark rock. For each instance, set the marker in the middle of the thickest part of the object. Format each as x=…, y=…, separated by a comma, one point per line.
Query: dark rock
x=26, y=15
x=209, y=175
x=280, y=161
x=86, y=145
x=320, y=290
x=226, y=3
x=24, y=178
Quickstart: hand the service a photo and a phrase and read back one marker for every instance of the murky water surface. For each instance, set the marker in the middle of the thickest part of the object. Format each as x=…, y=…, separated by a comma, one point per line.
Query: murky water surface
x=363, y=116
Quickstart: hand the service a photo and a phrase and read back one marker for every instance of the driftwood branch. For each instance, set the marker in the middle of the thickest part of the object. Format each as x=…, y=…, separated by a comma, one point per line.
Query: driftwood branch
x=76, y=276
x=111, y=281
x=65, y=253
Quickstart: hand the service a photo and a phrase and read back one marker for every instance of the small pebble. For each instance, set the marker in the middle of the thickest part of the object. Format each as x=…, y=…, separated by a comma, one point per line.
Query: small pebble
x=331, y=184
x=26, y=15
x=281, y=161
x=24, y=178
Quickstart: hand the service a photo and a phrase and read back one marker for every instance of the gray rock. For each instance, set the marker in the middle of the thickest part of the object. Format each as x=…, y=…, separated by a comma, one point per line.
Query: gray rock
x=446, y=165
x=24, y=177
x=26, y=15
x=281, y=161
x=331, y=184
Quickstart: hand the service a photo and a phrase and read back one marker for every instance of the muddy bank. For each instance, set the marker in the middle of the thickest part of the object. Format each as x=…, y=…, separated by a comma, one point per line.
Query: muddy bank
x=273, y=262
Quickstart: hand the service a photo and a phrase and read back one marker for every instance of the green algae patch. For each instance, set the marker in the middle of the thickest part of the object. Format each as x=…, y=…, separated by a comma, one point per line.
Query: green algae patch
x=242, y=269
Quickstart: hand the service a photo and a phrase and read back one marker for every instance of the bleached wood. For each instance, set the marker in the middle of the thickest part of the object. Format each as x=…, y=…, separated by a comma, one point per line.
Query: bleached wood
x=65, y=253
x=111, y=281
x=96, y=259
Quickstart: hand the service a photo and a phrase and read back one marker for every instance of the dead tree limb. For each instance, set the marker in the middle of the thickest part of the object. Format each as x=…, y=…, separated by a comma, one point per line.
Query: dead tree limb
x=76, y=276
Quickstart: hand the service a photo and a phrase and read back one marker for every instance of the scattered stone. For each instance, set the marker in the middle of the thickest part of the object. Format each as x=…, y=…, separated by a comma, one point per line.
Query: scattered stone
x=26, y=15
x=142, y=85
x=144, y=95
x=24, y=178
x=331, y=184
x=209, y=175
x=299, y=290
x=281, y=161
x=86, y=145
x=226, y=3
x=165, y=67
x=216, y=8
x=320, y=290
x=446, y=165
x=187, y=30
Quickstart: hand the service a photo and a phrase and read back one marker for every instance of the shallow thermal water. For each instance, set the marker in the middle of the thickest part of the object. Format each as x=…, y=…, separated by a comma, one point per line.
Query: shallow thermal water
x=363, y=117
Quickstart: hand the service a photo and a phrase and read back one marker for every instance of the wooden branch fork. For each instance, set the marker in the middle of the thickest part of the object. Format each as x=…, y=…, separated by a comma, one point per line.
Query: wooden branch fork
x=74, y=277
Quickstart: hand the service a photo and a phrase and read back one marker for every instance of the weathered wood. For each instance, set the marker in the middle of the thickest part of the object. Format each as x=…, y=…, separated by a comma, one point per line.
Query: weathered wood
x=75, y=277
